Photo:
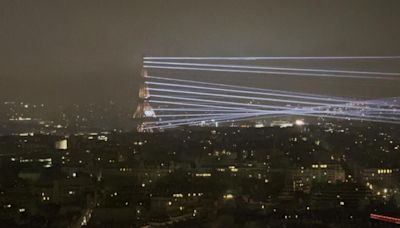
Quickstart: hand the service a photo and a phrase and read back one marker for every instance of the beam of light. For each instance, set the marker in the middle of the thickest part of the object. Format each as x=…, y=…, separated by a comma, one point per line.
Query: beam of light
x=323, y=105
x=193, y=110
x=190, y=110
x=222, y=111
x=280, y=93
x=310, y=110
x=246, y=92
x=211, y=115
x=197, y=105
x=199, y=120
x=353, y=105
x=220, y=102
x=229, y=108
x=206, y=121
x=295, y=111
x=263, y=114
x=252, y=117
x=272, y=68
x=384, y=112
x=376, y=119
x=233, y=117
x=304, y=111
x=190, y=120
x=271, y=73
x=246, y=88
x=203, y=114
x=286, y=112
x=348, y=115
x=248, y=58
x=348, y=105
x=194, y=119
x=239, y=97
x=359, y=114
x=385, y=102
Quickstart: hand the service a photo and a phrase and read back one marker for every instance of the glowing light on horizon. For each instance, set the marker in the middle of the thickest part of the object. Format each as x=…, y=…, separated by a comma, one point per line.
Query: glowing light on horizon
x=299, y=122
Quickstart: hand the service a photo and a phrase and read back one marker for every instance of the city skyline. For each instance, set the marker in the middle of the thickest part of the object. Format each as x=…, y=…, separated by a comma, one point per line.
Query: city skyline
x=187, y=113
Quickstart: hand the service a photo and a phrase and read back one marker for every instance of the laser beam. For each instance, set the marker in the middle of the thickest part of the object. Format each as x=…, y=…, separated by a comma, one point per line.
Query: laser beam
x=273, y=73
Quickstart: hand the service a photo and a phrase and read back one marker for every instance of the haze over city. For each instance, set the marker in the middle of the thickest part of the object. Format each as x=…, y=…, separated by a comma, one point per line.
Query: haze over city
x=199, y=113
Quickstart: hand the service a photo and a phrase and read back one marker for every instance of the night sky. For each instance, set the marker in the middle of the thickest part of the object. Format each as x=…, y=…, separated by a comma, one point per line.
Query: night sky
x=90, y=51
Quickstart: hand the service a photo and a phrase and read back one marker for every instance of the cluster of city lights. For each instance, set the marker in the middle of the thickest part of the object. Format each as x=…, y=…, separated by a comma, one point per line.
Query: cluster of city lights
x=168, y=101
